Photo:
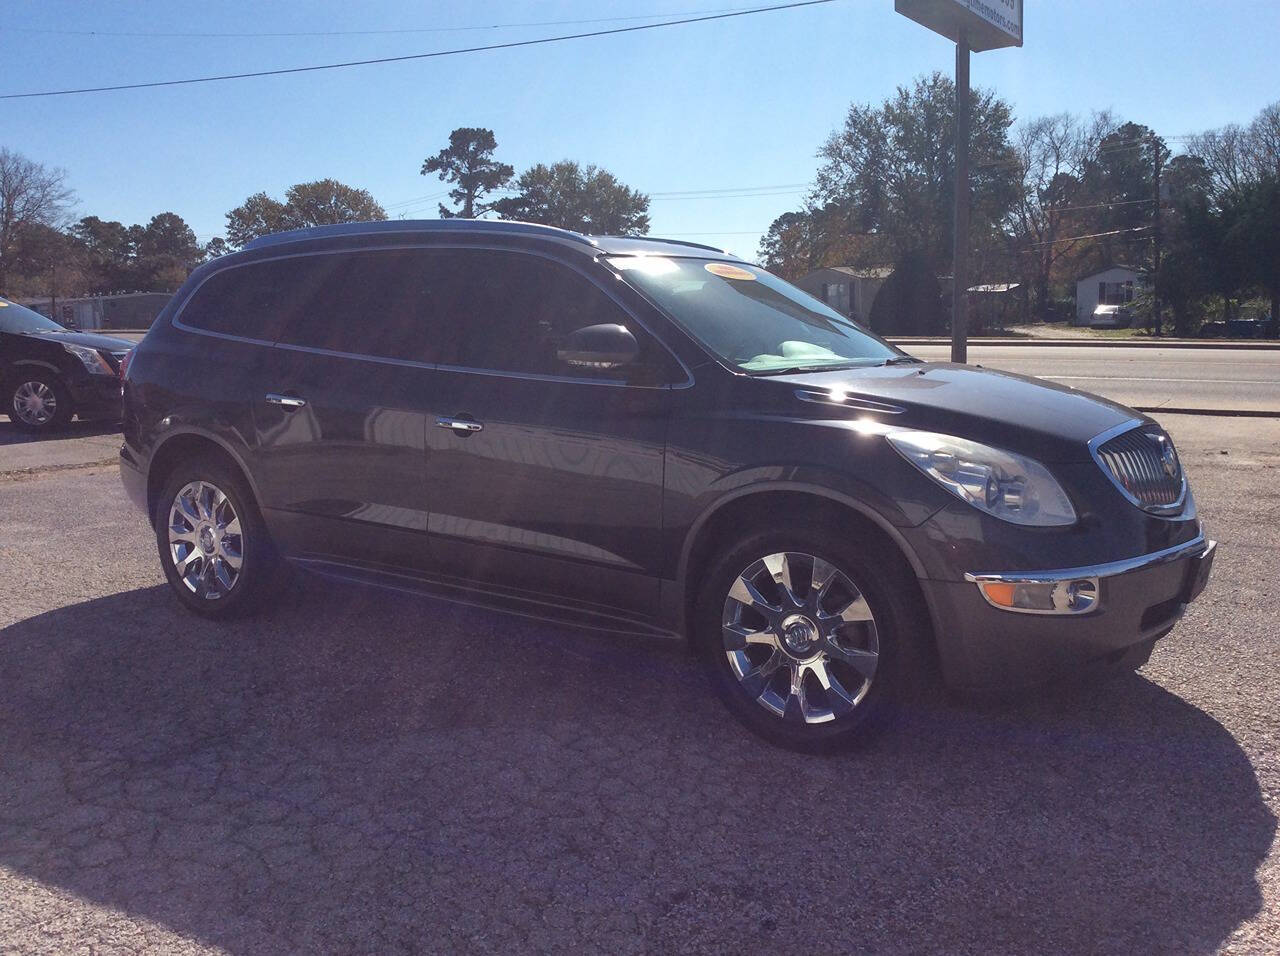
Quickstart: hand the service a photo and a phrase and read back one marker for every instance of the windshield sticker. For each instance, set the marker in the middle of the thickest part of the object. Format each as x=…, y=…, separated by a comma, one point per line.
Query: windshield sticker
x=726, y=271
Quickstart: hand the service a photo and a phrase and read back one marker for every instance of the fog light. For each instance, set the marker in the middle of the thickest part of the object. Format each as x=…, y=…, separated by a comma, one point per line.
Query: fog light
x=1040, y=597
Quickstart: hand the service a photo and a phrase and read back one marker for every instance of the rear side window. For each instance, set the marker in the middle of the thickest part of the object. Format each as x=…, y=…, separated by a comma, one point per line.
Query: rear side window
x=255, y=301
x=381, y=303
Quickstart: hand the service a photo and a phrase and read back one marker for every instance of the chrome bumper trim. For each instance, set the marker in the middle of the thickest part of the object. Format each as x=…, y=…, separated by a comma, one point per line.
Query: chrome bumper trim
x=1093, y=574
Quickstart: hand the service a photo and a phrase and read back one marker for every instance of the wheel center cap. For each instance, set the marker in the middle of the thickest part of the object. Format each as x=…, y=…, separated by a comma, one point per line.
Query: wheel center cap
x=799, y=635
x=206, y=539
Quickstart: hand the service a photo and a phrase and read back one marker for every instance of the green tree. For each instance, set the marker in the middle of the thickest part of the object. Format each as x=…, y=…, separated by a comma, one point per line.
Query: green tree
x=108, y=253
x=1255, y=231
x=259, y=215
x=320, y=203
x=326, y=202
x=165, y=252
x=468, y=163
x=788, y=247
x=891, y=167
x=582, y=198
x=215, y=247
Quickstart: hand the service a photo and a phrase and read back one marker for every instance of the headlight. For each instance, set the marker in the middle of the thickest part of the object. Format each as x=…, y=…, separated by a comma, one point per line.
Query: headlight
x=1008, y=486
x=94, y=363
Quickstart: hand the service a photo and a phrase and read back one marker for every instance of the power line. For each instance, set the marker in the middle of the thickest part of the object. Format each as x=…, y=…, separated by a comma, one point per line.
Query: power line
x=345, y=33
x=1095, y=235
x=421, y=56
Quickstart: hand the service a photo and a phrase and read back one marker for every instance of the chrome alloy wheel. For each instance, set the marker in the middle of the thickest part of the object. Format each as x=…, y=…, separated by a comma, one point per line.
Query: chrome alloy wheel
x=34, y=403
x=800, y=637
x=205, y=541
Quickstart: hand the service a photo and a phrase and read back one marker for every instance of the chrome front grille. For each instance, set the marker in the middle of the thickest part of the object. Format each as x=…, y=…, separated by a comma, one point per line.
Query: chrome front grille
x=1144, y=465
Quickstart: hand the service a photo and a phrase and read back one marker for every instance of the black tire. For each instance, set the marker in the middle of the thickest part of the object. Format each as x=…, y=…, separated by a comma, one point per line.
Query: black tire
x=872, y=573
x=21, y=385
x=260, y=566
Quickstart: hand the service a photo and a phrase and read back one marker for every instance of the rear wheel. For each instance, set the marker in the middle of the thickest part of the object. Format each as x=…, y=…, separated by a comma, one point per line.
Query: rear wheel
x=213, y=543
x=39, y=402
x=799, y=633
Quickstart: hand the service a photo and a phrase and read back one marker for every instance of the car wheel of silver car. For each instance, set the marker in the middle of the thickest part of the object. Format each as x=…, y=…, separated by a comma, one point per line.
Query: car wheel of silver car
x=798, y=633
x=212, y=541
x=39, y=403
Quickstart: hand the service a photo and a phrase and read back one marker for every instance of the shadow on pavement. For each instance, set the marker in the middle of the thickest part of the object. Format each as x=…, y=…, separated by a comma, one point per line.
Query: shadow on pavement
x=364, y=772
x=11, y=435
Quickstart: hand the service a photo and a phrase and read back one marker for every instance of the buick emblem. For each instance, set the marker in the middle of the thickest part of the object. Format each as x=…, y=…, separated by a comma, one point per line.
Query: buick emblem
x=1168, y=457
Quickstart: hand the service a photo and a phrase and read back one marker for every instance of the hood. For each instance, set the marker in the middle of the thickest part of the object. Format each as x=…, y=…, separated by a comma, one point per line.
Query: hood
x=1048, y=421
x=105, y=343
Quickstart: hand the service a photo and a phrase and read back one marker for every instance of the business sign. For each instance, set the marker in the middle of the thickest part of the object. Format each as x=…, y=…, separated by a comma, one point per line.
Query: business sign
x=986, y=24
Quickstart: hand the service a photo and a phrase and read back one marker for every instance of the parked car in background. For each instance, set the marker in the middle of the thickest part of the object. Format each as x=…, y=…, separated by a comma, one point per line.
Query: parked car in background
x=1111, y=317
x=651, y=437
x=48, y=374
x=1235, y=328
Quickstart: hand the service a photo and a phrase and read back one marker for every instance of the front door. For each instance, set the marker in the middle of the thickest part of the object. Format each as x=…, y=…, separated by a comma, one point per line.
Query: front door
x=545, y=477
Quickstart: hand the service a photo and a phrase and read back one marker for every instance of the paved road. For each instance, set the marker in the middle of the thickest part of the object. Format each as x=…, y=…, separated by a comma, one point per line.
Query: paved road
x=361, y=772
x=1143, y=377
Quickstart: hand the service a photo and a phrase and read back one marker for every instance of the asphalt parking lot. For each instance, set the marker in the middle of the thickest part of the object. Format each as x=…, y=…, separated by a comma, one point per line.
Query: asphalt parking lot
x=359, y=772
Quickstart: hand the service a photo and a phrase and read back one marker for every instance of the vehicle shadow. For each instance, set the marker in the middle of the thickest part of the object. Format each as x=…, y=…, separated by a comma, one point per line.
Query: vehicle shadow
x=11, y=435
x=357, y=771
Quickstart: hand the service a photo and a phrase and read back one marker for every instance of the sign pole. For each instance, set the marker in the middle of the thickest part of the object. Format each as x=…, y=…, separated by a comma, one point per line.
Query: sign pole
x=960, y=245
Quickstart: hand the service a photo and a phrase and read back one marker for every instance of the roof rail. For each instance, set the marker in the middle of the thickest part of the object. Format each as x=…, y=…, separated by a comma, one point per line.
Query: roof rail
x=673, y=242
x=382, y=227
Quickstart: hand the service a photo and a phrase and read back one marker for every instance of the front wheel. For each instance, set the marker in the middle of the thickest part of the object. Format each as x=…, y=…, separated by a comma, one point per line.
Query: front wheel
x=39, y=402
x=799, y=633
x=213, y=543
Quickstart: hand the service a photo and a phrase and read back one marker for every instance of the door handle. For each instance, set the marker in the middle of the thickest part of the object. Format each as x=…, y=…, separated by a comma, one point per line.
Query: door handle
x=459, y=426
x=288, y=401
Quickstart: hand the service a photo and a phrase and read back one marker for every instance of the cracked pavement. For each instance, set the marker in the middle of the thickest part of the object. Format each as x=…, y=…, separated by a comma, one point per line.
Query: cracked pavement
x=358, y=771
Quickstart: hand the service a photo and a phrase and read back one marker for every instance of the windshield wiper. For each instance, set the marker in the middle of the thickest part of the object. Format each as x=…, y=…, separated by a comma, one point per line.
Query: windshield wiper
x=796, y=369
x=902, y=360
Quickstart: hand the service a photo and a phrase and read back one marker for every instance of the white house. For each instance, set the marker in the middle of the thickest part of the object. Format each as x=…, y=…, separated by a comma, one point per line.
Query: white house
x=848, y=290
x=1118, y=285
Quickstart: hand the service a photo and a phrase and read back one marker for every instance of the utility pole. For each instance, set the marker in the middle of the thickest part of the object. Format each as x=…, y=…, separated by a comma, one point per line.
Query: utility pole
x=960, y=240
x=1155, y=234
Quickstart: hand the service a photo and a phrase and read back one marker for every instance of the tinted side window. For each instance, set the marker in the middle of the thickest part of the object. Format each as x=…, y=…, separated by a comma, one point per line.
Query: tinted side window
x=254, y=300
x=510, y=312
x=380, y=303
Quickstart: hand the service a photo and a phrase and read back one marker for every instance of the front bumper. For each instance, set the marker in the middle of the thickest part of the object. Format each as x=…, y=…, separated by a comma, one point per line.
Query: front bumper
x=987, y=648
x=97, y=397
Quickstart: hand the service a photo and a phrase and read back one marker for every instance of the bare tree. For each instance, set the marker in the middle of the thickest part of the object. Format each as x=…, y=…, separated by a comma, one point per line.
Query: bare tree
x=1055, y=155
x=31, y=195
x=1226, y=153
x=1263, y=149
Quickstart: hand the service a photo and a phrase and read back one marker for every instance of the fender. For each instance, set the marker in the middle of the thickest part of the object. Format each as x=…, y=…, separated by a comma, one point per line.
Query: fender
x=24, y=362
x=184, y=429
x=821, y=491
x=673, y=593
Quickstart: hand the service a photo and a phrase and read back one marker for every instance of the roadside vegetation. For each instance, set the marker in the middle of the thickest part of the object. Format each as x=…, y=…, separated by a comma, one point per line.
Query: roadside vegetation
x=1054, y=198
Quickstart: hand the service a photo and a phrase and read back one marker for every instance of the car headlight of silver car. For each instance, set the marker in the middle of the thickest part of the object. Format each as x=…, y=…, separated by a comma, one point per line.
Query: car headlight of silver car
x=1007, y=486
x=92, y=360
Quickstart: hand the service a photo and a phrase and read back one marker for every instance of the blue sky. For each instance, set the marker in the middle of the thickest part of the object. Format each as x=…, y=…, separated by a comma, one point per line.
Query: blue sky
x=715, y=106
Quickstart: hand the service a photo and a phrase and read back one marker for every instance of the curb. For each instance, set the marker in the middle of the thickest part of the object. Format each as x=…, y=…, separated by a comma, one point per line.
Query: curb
x=1264, y=345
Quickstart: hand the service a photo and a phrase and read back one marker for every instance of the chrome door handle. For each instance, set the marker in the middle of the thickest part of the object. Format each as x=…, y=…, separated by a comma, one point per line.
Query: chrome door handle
x=288, y=401
x=460, y=425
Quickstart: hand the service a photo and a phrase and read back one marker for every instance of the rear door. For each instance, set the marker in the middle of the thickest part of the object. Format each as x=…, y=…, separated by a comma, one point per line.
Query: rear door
x=342, y=425
x=544, y=477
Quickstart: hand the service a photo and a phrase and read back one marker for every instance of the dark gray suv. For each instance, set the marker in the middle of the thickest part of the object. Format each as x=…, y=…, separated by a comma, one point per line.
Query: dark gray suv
x=654, y=438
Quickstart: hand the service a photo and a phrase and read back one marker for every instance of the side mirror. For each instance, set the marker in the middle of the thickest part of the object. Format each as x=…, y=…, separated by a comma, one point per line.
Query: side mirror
x=599, y=347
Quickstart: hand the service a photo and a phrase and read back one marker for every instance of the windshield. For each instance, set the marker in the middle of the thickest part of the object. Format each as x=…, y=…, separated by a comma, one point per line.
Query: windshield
x=749, y=318
x=17, y=318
